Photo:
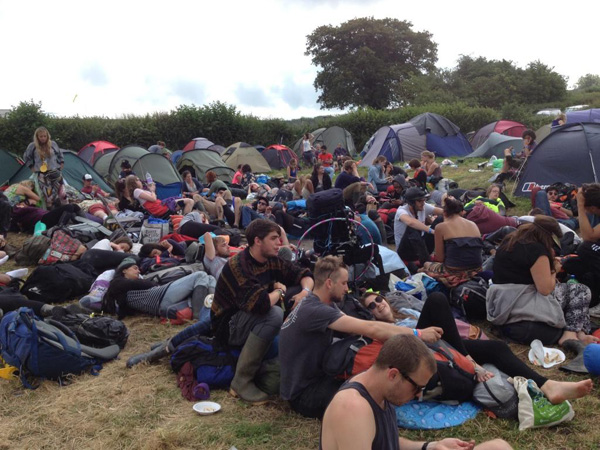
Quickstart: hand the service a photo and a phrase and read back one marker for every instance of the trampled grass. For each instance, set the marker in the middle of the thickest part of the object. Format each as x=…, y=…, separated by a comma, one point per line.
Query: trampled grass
x=142, y=408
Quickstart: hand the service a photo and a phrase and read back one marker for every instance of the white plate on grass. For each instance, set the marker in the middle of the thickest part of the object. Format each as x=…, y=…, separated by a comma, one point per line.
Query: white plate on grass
x=552, y=357
x=206, y=408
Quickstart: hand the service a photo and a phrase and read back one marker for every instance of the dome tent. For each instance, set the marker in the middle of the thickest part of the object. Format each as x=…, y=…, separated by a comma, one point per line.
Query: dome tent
x=198, y=143
x=504, y=127
x=131, y=153
x=201, y=161
x=91, y=152
x=406, y=141
x=331, y=137
x=242, y=153
x=495, y=144
x=165, y=176
x=570, y=154
x=278, y=156
x=73, y=171
x=9, y=166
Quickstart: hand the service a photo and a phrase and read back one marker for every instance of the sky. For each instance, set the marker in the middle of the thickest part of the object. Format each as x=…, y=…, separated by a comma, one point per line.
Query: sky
x=111, y=58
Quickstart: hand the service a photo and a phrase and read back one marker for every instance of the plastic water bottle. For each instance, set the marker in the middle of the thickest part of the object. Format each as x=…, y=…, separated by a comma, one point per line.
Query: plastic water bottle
x=39, y=227
x=572, y=280
x=149, y=180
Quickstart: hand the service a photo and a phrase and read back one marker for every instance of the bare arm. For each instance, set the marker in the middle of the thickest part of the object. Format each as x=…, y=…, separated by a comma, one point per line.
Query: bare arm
x=414, y=223
x=23, y=190
x=380, y=330
x=148, y=196
x=439, y=243
x=209, y=246
x=544, y=280
x=348, y=431
x=585, y=227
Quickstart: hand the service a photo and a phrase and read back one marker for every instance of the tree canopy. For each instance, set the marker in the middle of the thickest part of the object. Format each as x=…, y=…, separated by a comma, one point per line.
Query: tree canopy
x=365, y=61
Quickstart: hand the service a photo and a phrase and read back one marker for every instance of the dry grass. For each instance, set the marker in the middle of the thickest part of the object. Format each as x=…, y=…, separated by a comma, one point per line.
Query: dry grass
x=142, y=408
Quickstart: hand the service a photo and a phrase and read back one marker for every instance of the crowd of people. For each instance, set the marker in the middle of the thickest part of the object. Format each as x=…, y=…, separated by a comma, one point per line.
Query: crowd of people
x=257, y=297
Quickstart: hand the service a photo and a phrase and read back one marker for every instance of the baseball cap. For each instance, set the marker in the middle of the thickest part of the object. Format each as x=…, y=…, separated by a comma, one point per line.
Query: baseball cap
x=87, y=176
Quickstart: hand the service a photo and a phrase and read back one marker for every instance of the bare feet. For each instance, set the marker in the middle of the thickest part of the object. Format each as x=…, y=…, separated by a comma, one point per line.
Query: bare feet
x=559, y=391
x=587, y=338
x=566, y=336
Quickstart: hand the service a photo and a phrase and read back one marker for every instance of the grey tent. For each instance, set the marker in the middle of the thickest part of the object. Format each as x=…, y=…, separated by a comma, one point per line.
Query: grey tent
x=131, y=153
x=331, y=137
x=542, y=132
x=164, y=174
x=217, y=148
x=495, y=144
x=201, y=161
x=102, y=164
x=505, y=127
x=570, y=154
x=74, y=170
x=242, y=153
x=9, y=165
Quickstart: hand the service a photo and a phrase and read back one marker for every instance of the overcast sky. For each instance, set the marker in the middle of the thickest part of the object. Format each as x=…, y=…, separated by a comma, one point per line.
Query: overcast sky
x=128, y=57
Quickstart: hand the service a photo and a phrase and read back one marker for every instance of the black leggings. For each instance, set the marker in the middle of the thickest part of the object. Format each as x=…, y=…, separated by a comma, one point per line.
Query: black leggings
x=196, y=229
x=14, y=302
x=436, y=313
x=51, y=218
x=103, y=260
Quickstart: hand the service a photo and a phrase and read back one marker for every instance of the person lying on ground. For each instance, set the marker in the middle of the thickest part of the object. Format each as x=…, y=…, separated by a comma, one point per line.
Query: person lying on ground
x=491, y=201
x=260, y=209
x=361, y=415
x=458, y=247
x=245, y=309
x=548, y=202
x=526, y=301
x=128, y=294
x=436, y=312
x=224, y=206
x=216, y=254
x=194, y=224
x=150, y=202
x=308, y=332
x=122, y=244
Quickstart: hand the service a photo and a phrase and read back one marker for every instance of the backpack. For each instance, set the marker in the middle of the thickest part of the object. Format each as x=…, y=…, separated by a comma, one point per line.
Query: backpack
x=469, y=298
x=350, y=356
x=63, y=246
x=212, y=364
x=329, y=202
x=455, y=374
x=46, y=350
x=96, y=331
x=33, y=249
x=170, y=274
x=497, y=394
x=58, y=282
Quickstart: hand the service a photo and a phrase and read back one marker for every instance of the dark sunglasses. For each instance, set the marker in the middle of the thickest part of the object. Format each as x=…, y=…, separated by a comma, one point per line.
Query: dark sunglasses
x=374, y=303
x=418, y=389
x=263, y=203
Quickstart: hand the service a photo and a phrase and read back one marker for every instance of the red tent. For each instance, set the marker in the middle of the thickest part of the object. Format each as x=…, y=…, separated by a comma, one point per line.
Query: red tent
x=94, y=150
x=278, y=156
x=198, y=143
x=505, y=127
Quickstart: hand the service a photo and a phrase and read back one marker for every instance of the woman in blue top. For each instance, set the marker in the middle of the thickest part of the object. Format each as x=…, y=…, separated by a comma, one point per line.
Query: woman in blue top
x=376, y=175
x=292, y=170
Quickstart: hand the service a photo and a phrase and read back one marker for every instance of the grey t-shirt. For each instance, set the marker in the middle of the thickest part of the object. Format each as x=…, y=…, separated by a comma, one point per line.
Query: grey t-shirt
x=303, y=341
x=214, y=266
x=193, y=216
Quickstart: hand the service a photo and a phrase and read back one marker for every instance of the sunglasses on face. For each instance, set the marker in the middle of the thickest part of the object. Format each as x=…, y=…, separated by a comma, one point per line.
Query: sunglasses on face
x=375, y=302
x=417, y=388
x=263, y=203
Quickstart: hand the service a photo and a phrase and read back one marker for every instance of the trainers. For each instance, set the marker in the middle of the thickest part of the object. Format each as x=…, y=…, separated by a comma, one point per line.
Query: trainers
x=595, y=311
x=19, y=273
x=3, y=260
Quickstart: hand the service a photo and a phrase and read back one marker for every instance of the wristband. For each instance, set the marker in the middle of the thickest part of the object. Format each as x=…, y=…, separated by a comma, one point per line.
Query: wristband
x=307, y=290
x=430, y=231
x=425, y=445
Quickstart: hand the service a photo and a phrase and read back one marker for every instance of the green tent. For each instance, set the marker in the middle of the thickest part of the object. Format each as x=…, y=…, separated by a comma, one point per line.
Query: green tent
x=242, y=153
x=165, y=176
x=74, y=170
x=131, y=153
x=9, y=165
x=201, y=161
x=331, y=137
x=102, y=164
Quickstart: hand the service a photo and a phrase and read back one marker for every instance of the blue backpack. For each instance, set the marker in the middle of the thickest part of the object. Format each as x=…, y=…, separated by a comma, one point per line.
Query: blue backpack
x=46, y=350
x=212, y=365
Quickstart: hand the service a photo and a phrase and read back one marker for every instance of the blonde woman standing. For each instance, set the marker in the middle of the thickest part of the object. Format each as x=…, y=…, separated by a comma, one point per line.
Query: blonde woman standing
x=45, y=159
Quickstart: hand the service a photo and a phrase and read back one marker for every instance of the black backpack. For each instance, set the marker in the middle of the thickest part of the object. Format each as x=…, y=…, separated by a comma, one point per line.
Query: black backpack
x=58, y=282
x=325, y=203
x=96, y=331
x=469, y=297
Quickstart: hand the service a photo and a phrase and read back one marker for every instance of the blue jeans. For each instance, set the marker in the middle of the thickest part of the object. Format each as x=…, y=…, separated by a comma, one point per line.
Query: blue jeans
x=200, y=328
x=181, y=290
x=329, y=171
x=248, y=215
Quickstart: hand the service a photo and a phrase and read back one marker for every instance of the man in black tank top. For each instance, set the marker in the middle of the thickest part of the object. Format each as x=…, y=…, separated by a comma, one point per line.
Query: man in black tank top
x=362, y=415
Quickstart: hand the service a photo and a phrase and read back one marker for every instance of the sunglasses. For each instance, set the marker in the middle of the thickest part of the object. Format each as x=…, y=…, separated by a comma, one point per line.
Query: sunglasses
x=263, y=203
x=418, y=388
x=374, y=303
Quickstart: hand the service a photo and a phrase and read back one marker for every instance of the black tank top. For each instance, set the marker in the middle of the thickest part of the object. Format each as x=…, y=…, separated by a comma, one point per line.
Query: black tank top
x=386, y=428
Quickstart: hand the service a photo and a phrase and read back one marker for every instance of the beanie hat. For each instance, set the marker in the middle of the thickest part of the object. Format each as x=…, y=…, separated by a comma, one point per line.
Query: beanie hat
x=126, y=264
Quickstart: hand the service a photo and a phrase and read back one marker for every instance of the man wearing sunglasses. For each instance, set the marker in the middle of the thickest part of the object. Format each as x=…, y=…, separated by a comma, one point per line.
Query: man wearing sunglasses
x=259, y=210
x=308, y=332
x=362, y=416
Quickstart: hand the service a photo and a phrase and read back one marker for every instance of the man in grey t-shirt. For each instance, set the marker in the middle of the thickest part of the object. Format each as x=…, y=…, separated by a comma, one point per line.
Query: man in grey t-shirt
x=308, y=331
x=216, y=254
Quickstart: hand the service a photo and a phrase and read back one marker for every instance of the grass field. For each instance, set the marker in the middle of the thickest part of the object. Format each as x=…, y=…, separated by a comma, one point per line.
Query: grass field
x=143, y=408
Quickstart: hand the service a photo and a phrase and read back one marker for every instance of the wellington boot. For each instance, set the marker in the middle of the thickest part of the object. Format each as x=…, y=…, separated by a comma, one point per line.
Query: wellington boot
x=248, y=364
x=151, y=356
x=576, y=364
x=268, y=377
x=198, y=296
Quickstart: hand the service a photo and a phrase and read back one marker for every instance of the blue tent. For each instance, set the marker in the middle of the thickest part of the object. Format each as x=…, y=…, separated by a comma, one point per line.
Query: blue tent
x=406, y=141
x=587, y=115
x=570, y=154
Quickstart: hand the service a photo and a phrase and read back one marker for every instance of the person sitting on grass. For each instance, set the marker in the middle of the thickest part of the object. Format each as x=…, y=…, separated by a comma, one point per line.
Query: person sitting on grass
x=377, y=177
x=320, y=178
x=419, y=178
x=326, y=160
x=491, y=200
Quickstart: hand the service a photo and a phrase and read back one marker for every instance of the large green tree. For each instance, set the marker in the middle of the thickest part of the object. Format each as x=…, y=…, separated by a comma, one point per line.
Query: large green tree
x=365, y=61
x=589, y=81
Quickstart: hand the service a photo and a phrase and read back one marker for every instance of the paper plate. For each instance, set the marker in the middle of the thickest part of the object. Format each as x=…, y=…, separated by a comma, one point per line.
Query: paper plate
x=206, y=408
x=552, y=357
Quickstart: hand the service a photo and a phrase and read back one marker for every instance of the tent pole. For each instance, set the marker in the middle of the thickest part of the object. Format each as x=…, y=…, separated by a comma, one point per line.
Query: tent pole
x=590, y=153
